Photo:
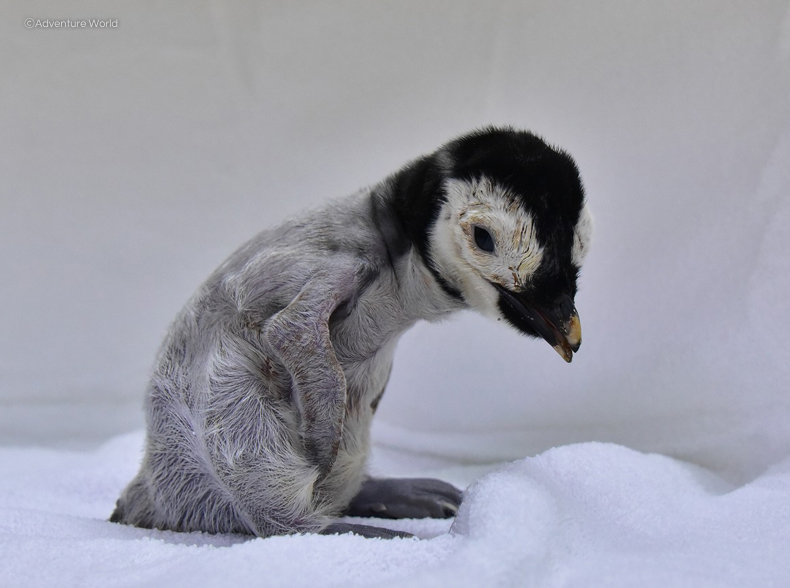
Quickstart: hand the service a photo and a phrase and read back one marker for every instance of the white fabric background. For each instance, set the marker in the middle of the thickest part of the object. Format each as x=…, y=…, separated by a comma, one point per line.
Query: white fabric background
x=133, y=160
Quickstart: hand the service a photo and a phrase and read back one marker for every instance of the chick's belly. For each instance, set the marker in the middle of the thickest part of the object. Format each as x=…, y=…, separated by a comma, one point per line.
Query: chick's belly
x=348, y=472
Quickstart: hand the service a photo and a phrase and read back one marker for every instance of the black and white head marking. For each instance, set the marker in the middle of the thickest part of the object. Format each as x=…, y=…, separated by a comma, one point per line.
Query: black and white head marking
x=511, y=232
x=483, y=236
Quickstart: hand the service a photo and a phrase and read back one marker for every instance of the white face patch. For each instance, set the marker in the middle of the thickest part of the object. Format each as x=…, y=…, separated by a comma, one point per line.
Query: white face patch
x=517, y=252
x=581, y=237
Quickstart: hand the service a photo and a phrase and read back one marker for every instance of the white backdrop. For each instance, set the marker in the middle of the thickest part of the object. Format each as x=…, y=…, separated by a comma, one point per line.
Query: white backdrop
x=134, y=159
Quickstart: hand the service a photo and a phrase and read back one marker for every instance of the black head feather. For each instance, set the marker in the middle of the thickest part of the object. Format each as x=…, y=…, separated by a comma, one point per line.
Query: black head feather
x=544, y=180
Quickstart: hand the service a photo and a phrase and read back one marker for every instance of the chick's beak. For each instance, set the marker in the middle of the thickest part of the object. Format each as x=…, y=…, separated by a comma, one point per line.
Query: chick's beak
x=570, y=337
x=558, y=324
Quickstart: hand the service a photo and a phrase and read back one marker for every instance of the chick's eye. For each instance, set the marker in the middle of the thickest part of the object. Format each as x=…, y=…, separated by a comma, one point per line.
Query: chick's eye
x=484, y=240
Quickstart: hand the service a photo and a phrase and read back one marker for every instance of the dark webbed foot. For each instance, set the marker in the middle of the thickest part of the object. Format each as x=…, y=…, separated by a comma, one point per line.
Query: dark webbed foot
x=405, y=498
x=364, y=531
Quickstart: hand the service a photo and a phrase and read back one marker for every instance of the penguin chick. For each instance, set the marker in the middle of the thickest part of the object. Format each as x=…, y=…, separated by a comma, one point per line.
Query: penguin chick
x=262, y=395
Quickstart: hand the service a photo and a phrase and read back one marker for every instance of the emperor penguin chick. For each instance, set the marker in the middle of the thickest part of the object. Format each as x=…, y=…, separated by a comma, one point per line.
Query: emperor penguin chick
x=260, y=402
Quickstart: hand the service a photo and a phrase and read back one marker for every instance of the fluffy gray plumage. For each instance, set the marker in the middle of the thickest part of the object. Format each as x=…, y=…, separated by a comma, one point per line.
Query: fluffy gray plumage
x=260, y=403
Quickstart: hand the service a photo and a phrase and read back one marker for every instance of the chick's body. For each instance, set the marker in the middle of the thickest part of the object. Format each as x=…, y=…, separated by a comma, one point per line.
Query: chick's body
x=260, y=403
